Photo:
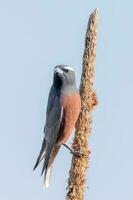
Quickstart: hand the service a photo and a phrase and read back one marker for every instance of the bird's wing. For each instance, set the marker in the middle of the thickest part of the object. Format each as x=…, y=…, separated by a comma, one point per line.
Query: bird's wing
x=52, y=129
x=53, y=120
x=51, y=99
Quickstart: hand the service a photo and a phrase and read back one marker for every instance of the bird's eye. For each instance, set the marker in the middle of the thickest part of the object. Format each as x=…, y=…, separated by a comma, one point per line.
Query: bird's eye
x=66, y=70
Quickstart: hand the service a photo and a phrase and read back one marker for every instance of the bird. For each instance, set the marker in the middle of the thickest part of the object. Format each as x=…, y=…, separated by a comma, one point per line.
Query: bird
x=63, y=109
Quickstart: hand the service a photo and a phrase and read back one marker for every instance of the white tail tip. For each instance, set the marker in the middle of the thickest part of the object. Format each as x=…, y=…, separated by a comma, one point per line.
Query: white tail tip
x=47, y=177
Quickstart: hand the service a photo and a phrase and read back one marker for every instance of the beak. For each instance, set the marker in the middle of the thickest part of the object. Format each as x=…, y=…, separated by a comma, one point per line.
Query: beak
x=58, y=71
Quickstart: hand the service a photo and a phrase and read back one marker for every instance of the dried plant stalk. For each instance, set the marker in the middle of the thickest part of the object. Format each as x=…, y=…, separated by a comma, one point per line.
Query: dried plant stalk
x=76, y=181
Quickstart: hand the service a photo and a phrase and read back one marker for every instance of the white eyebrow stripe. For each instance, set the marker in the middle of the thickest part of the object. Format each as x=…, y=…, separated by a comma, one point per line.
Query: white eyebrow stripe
x=66, y=67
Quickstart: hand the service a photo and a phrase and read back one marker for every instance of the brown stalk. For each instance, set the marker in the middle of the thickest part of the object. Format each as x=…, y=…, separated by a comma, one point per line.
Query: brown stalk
x=79, y=165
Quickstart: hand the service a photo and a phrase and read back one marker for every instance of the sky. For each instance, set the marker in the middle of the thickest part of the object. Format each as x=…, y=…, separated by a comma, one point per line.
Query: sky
x=35, y=36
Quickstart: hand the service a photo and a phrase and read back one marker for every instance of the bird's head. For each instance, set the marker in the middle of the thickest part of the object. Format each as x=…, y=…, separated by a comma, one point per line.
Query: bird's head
x=65, y=74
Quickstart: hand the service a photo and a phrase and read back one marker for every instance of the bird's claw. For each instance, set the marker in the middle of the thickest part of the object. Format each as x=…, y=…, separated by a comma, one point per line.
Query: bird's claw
x=77, y=153
x=74, y=152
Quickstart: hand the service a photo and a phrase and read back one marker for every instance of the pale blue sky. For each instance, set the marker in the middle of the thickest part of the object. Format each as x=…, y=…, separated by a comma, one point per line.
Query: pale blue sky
x=34, y=37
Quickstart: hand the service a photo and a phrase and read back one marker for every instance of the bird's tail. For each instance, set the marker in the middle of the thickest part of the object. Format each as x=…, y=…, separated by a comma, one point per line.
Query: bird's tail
x=48, y=153
x=47, y=176
x=48, y=169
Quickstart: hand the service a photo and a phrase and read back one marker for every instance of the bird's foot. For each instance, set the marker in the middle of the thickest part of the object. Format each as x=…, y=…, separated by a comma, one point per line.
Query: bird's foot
x=74, y=152
x=77, y=153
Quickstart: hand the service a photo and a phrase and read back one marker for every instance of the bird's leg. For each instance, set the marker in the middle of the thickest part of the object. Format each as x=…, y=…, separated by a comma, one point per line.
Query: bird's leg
x=71, y=150
x=74, y=152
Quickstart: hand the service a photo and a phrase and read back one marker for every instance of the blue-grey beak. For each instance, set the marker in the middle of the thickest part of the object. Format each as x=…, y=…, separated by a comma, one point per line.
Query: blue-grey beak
x=58, y=70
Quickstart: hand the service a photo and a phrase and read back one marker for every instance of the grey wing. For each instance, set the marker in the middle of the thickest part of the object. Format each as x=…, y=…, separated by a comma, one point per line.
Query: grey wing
x=52, y=129
x=51, y=99
x=53, y=120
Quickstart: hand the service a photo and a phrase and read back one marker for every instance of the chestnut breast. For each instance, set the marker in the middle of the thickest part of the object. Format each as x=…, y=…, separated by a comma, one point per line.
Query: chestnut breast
x=71, y=104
